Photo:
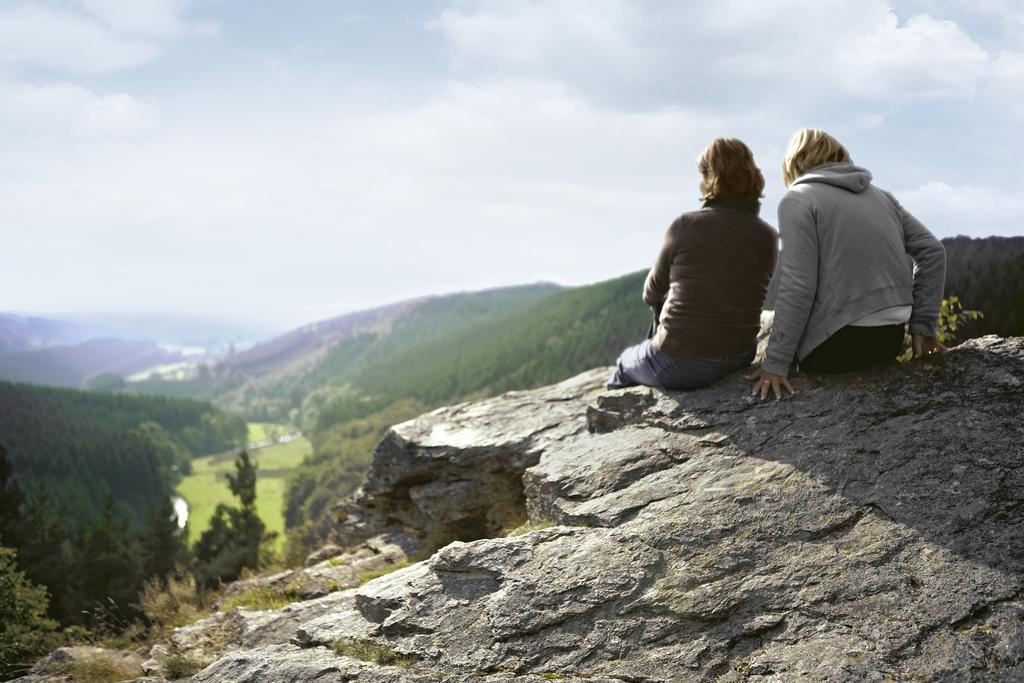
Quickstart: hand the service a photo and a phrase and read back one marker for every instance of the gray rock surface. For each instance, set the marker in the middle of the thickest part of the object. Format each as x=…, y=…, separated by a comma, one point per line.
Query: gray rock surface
x=869, y=528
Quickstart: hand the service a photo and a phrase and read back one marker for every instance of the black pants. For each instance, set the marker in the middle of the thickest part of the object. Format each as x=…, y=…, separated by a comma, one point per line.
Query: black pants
x=855, y=348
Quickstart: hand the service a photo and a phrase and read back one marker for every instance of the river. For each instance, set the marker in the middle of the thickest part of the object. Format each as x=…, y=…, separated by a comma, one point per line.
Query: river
x=181, y=511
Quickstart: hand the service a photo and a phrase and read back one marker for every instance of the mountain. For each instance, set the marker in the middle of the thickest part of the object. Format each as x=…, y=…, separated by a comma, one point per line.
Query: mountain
x=84, y=446
x=272, y=380
x=73, y=366
x=21, y=332
x=344, y=381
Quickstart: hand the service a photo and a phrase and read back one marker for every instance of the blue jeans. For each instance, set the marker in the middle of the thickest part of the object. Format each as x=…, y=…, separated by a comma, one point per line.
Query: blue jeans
x=644, y=364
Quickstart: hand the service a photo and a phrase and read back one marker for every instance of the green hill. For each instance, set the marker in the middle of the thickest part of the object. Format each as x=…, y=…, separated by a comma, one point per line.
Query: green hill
x=85, y=446
x=551, y=339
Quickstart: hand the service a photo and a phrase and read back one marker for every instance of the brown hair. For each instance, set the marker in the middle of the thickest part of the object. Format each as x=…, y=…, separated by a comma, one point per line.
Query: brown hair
x=808, y=148
x=728, y=171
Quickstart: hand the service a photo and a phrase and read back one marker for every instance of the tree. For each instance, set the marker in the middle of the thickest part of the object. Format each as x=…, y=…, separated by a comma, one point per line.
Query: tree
x=162, y=542
x=109, y=565
x=44, y=554
x=26, y=632
x=11, y=500
x=236, y=535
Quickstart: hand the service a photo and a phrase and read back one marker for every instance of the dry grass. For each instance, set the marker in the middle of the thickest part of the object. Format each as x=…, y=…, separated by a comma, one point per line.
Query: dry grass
x=371, y=651
x=99, y=669
x=172, y=602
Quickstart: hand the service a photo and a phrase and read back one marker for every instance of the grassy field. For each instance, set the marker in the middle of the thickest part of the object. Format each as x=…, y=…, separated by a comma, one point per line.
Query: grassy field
x=206, y=487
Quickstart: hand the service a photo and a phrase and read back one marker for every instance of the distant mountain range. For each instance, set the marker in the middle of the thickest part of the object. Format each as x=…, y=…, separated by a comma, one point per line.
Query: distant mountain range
x=24, y=333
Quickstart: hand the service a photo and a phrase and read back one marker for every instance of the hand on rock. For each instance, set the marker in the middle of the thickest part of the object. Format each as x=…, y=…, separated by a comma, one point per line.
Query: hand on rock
x=926, y=346
x=766, y=381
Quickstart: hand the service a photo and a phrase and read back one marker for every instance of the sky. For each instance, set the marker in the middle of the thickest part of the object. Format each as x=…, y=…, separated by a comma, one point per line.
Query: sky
x=291, y=161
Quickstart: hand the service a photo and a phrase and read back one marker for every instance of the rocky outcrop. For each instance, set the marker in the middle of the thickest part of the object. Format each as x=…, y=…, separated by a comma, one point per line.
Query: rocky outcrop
x=869, y=528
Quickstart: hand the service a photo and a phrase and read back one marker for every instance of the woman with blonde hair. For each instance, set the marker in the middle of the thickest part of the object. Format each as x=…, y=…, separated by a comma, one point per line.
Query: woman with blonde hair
x=709, y=280
x=856, y=268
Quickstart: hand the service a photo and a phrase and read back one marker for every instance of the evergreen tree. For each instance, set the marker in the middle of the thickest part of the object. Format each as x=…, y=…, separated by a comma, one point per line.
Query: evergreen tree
x=44, y=553
x=109, y=569
x=162, y=543
x=11, y=500
x=236, y=534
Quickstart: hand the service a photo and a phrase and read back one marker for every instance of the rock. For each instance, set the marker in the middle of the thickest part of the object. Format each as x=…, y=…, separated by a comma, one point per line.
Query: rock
x=337, y=572
x=869, y=528
x=324, y=553
x=456, y=473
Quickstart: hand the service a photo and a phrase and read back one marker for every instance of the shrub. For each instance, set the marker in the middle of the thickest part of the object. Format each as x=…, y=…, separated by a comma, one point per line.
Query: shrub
x=951, y=318
x=181, y=666
x=25, y=631
x=171, y=602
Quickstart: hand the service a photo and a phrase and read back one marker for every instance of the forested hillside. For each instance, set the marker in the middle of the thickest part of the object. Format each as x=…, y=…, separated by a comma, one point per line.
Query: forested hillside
x=988, y=275
x=555, y=337
x=86, y=480
x=72, y=366
x=271, y=381
x=84, y=446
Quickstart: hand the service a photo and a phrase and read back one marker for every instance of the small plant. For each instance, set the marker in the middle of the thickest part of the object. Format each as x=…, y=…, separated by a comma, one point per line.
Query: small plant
x=181, y=666
x=371, y=651
x=260, y=598
x=952, y=316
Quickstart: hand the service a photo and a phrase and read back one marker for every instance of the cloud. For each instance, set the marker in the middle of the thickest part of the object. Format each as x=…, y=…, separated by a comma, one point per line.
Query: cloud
x=1006, y=80
x=92, y=36
x=146, y=17
x=973, y=210
x=39, y=36
x=784, y=50
x=65, y=112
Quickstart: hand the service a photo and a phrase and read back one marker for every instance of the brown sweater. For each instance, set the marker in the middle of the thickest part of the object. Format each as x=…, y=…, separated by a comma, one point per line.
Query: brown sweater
x=710, y=279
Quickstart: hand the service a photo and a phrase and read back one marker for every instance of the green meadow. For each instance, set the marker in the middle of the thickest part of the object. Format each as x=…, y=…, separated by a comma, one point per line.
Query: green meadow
x=207, y=486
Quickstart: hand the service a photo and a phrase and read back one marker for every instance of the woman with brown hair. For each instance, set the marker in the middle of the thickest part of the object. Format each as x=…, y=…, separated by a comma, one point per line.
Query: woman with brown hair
x=709, y=280
x=857, y=270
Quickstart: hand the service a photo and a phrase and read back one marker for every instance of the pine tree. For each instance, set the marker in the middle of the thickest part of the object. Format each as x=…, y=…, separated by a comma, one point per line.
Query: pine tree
x=162, y=543
x=236, y=535
x=11, y=500
x=109, y=567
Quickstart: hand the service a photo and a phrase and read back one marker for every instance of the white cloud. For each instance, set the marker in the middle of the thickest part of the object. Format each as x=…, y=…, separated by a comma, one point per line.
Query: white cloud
x=973, y=210
x=148, y=17
x=91, y=36
x=558, y=143
x=68, y=112
x=1007, y=81
x=781, y=50
x=39, y=36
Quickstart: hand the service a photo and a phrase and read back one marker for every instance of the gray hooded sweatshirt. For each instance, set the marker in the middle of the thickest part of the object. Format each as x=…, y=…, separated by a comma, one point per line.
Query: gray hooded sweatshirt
x=848, y=250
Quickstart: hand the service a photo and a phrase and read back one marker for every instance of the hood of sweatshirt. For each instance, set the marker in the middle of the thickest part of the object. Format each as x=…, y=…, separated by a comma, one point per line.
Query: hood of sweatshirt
x=840, y=174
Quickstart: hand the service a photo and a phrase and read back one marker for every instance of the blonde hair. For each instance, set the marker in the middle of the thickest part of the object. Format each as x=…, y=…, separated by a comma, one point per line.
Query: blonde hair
x=728, y=171
x=808, y=148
